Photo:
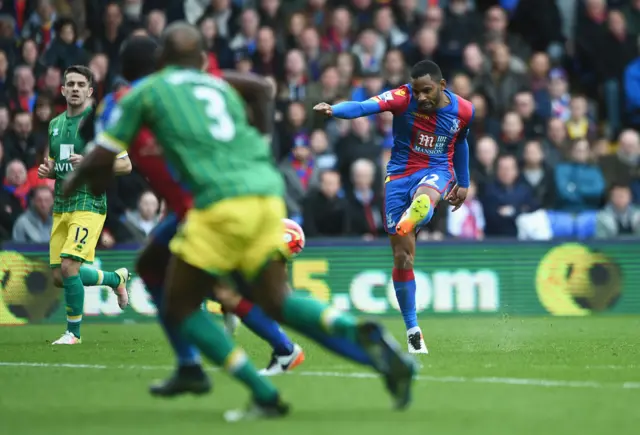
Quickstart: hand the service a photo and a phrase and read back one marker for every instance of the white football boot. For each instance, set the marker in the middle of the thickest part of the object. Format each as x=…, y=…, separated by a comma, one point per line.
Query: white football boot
x=121, y=290
x=415, y=341
x=68, y=338
x=283, y=363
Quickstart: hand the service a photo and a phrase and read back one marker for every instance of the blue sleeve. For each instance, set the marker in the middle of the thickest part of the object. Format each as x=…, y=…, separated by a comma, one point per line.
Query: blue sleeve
x=461, y=160
x=461, y=154
x=353, y=109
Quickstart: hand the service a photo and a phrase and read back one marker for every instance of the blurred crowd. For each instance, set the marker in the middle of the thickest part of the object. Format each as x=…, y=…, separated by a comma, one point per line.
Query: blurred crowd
x=555, y=85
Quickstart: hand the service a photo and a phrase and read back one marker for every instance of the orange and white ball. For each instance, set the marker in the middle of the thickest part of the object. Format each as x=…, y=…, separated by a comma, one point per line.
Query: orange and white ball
x=293, y=239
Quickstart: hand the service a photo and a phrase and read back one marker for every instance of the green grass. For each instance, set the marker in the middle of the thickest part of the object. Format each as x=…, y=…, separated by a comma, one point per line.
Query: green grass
x=484, y=376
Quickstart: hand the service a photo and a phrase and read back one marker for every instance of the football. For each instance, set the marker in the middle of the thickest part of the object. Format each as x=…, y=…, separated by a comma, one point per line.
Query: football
x=293, y=239
x=26, y=288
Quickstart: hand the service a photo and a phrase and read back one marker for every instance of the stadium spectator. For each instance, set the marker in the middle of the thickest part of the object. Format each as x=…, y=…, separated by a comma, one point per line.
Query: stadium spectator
x=539, y=67
x=15, y=181
x=556, y=142
x=298, y=170
x=505, y=198
x=63, y=50
x=325, y=209
x=246, y=39
x=365, y=204
x=579, y=126
x=19, y=143
x=486, y=154
x=294, y=85
x=512, y=135
x=619, y=217
x=10, y=210
x=524, y=105
x=140, y=222
x=385, y=24
x=580, y=185
x=324, y=157
x=623, y=167
x=501, y=82
x=156, y=22
x=111, y=36
x=395, y=71
x=537, y=174
x=369, y=50
x=468, y=221
x=359, y=143
x=34, y=225
x=631, y=13
x=23, y=97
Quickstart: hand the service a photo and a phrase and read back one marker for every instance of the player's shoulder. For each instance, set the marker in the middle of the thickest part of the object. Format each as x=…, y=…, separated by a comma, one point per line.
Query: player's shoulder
x=55, y=121
x=465, y=108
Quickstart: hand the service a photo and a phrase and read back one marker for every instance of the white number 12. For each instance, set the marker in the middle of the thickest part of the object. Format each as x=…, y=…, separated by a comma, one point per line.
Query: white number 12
x=430, y=179
x=222, y=128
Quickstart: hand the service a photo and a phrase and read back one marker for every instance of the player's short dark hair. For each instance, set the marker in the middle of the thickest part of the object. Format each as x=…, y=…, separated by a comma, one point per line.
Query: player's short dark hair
x=426, y=68
x=79, y=69
x=138, y=55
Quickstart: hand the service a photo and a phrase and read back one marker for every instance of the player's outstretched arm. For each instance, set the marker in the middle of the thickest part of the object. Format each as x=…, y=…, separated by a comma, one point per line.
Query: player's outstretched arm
x=393, y=101
x=95, y=169
x=122, y=165
x=458, y=194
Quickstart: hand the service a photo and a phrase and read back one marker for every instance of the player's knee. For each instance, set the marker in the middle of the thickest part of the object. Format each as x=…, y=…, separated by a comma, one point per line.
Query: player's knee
x=69, y=268
x=402, y=259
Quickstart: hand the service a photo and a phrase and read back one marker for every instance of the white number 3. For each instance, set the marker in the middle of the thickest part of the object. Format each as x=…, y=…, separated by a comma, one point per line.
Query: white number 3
x=222, y=128
x=430, y=179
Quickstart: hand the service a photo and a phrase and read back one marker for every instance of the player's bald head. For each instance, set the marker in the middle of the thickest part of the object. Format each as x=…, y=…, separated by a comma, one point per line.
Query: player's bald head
x=182, y=45
x=138, y=56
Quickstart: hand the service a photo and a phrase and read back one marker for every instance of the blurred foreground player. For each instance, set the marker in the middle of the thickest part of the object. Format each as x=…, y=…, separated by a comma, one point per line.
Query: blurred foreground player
x=138, y=60
x=430, y=153
x=235, y=226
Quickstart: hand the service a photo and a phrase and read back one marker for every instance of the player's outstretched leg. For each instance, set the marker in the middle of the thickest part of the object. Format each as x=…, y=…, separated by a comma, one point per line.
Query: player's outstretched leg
x=189, y=376
x=286, y=355
x=186, y=288
x=315, y=319
x=117, y=280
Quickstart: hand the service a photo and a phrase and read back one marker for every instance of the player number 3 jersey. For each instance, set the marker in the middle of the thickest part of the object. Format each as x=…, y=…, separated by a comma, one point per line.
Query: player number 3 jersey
x=200, y=124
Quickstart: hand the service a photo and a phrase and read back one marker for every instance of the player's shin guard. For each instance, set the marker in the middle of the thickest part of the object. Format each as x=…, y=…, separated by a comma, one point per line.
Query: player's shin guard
x=404, y=284
x=91, y=276
x=264, y=327
x=308, y=314
x=74, y=299
x=187, y=354
x=200, y=329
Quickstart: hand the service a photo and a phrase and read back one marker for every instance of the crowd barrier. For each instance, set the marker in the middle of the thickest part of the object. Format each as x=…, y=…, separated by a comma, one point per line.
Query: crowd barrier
x=452, y=278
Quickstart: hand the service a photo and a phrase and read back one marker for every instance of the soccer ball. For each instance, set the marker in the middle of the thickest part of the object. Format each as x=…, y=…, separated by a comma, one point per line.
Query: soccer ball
x=26, y=288
x=293, y=239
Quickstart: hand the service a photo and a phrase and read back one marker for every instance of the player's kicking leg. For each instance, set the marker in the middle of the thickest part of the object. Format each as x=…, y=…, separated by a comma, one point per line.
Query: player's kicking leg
x=74, y=237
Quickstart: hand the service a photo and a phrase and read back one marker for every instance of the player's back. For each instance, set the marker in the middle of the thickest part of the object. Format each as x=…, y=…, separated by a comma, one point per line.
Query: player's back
x=145, y=154
x=201, y=125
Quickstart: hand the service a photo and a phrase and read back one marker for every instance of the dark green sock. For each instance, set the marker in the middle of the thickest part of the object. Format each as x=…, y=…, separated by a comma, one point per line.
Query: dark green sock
x=306, y=313
x=200, y=329
x=91, y=276
x=74, y=298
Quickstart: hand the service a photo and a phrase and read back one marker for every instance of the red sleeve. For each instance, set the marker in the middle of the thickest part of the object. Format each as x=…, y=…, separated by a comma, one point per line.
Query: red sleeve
x=394, y=101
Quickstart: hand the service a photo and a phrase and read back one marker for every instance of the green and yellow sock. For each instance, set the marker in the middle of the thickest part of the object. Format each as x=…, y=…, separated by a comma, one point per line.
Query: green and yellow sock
x=74, y=298
x=306, y=313
x=200, y=329
x=91, y=276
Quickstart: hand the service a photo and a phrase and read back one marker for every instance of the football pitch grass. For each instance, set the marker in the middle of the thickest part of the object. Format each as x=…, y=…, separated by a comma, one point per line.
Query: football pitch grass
x=484, y=376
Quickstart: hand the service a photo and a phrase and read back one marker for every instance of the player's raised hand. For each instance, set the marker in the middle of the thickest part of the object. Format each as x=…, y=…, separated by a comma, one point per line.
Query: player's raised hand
x=457, y=196
x=75, y=160
x=323, y=108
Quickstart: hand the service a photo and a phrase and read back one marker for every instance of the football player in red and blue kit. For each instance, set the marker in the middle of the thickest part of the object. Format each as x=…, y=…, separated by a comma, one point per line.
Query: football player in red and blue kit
x=429, y=161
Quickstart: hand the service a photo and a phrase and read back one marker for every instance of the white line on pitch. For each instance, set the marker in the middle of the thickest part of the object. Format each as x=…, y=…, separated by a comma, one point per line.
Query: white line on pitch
x=359, y=375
